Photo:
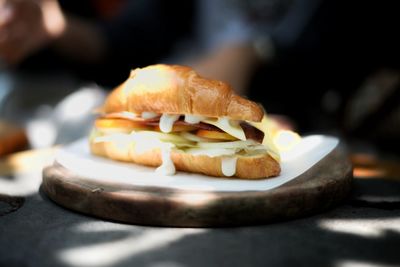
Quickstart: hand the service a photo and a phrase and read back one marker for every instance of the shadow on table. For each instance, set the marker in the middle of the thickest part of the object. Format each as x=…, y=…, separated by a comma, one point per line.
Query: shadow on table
x=376, y=193
x=361, y=231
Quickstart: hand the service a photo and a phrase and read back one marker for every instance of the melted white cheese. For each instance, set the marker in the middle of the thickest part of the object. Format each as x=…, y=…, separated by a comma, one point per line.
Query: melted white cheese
x=148, y=115
x=266, y=127
x=167, y=121
x=147, y=140
x=167, y=166
x=228, y=126
x=193, y=119
x=228, y=165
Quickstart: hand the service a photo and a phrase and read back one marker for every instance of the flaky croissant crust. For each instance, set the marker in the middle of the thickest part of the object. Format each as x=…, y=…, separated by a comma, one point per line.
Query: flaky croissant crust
x=178, y=89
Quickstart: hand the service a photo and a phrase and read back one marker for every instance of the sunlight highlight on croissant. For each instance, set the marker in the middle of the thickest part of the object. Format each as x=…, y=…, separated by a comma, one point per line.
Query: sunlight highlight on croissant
x=154, y=78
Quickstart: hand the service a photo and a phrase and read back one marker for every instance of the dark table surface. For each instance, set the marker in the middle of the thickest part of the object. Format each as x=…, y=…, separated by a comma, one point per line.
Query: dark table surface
x=362, y=231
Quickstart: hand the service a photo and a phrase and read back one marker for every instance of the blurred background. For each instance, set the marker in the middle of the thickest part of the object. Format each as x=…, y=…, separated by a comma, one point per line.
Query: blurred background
x=323, y=66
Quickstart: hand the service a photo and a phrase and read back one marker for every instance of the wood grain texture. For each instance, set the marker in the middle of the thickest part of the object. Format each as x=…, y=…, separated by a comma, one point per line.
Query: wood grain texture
x=322, y=187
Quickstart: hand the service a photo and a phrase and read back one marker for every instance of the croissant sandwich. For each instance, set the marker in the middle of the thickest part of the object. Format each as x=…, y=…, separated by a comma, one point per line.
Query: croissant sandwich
x=169, y=117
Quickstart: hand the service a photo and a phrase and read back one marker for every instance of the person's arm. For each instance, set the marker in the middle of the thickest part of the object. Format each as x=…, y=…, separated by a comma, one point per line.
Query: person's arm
x=29, y=25
x=226, y=41
x=234, y=63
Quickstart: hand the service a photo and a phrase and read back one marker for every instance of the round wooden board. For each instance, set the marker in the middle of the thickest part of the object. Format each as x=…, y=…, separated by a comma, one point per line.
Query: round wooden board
x=323, y=186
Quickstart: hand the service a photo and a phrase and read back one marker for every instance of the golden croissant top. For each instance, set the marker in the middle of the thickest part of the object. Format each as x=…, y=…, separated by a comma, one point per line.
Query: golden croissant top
x=176, y=89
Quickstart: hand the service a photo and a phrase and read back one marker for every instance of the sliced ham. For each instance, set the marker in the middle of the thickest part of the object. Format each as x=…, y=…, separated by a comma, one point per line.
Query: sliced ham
x=249, y=131
x=252, y=132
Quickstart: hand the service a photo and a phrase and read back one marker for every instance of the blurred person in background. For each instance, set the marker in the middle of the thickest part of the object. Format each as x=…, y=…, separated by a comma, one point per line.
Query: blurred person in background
x=330, y=65
x=99, y=40
x=302, y=58
x=53, y=54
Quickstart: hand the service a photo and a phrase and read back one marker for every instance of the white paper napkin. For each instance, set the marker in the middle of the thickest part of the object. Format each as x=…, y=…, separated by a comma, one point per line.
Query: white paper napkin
x=77, y=158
